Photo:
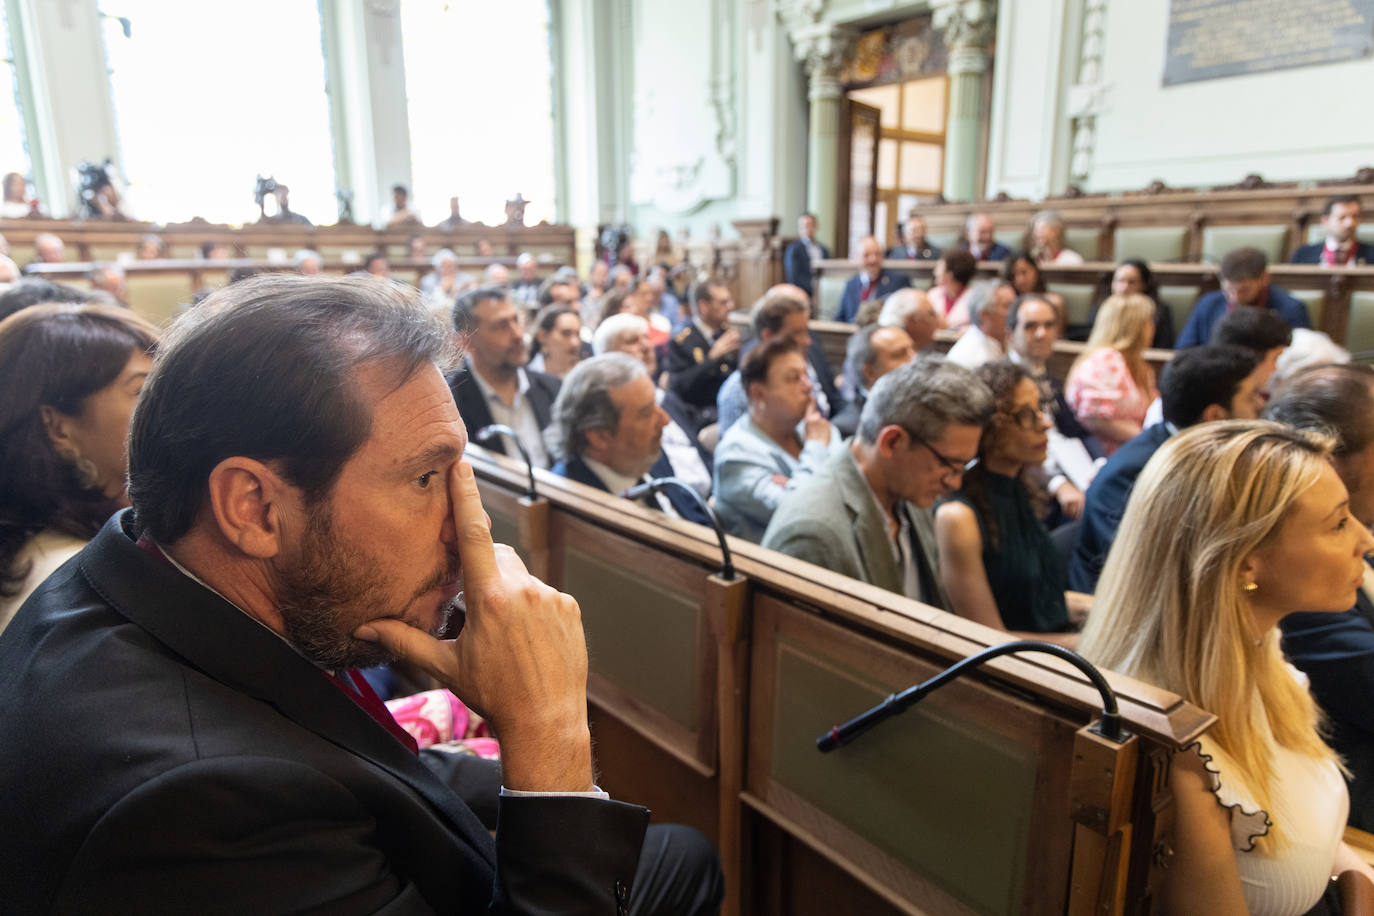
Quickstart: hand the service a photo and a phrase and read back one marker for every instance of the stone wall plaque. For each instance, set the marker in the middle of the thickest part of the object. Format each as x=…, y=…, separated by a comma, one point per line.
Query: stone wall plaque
x=1217, y=38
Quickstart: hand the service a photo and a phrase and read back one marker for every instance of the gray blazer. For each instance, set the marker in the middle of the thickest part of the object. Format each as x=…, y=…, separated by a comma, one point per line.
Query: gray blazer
x=832, y=519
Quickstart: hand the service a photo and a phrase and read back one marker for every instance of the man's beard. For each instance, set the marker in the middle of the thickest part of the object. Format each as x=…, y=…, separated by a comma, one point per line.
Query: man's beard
x=334, y=589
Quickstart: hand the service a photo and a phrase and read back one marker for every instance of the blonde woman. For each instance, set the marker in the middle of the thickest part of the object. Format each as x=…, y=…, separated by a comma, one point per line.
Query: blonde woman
x=1110, y=386
x=1231, y=526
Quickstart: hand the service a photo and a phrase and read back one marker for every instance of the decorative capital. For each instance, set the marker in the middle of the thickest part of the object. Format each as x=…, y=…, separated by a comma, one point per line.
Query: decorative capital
x=968, y=27
x=795, y=14
x=823, y=49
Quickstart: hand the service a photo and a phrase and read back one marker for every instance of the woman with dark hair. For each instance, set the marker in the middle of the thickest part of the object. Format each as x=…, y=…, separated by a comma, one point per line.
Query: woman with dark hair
x=1021, y=271
x=1133, y=276
x=997, y=561
x=69, y=378
x=557, y=344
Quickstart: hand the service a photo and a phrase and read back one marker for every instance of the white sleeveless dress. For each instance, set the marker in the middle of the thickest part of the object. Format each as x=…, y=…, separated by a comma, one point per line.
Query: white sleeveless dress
x=1310, y=801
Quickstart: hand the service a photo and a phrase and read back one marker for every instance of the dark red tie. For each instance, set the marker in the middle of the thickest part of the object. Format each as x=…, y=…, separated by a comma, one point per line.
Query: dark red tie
x=356, y=687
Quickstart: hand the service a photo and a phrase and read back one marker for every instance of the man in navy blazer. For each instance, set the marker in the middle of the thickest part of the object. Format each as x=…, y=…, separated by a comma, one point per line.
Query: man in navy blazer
x=1341, y=247
x=980, y=240
x=185, y=728
x=1336, y=651
x=608, y=431
x=493, y=385
x=1199, y=385
x=870, y=283
x=1244, y=284
x=801, y=253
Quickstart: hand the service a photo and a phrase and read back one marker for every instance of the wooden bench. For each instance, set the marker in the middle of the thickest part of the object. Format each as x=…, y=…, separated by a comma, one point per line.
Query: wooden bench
x=94, y=240
x=707, y=696
x=1340, y=301
x=159, y=290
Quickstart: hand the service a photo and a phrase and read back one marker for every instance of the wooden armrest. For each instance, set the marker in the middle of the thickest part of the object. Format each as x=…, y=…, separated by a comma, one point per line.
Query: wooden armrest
x=1357, y=893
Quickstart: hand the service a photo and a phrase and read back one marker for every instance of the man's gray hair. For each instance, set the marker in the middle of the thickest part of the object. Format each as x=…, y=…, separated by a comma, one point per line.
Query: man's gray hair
x=442, y=255
x=1049, y=218
x=609, y=332
x=923, y=397
x=584, y=402
x=902, y=304
x=859, y=351
x=307, y=254
x=979, y=298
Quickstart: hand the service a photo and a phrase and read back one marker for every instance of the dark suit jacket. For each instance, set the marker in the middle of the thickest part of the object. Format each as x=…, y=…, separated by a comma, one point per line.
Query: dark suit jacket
x=692, y=374
x=1312, y=254
x=886, y=284
x=1105, y=503
x=1212, y=307
x=575, y=468
x=927, y=252
x=847, y=420
x=998, y=251
x=475, y=413
x=164, y=752
x=796, y=264
x=1336, y=651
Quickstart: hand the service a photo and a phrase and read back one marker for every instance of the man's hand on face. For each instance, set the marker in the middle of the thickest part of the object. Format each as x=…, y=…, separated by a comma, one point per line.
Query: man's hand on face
x=520, y=660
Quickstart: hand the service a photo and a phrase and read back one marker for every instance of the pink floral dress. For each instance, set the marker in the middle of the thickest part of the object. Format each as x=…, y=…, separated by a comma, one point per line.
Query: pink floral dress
x=1101, y=388
x=437, y=718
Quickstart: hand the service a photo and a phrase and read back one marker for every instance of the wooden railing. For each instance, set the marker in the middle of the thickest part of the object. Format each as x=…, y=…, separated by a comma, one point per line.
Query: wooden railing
x=707, y=694
x=1340, y=301
x=158, y=290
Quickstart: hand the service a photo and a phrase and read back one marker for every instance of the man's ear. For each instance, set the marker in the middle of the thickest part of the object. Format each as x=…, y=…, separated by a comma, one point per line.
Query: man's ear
x=889, y=439
x=248, y=500
x=599, y=439
x=1214, y=412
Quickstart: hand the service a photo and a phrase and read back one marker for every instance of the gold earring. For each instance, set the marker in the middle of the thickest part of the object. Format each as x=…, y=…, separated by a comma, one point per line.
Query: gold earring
x=1251, y=586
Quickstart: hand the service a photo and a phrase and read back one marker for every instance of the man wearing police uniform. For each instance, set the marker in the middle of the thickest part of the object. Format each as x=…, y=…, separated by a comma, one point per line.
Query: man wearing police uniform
x=703, y=354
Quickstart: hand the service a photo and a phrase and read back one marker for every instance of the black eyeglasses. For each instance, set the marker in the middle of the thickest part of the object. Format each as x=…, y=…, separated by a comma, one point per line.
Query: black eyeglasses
x=953, y=467
x=1032, y=417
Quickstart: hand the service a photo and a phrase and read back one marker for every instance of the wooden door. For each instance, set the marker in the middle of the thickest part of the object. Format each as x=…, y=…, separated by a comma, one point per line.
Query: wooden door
x=857, y=188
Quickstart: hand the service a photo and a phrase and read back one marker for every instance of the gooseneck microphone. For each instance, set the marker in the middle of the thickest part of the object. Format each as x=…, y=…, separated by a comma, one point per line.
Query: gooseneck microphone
x=727, y=565
x=1109, y=726
x=491, y=431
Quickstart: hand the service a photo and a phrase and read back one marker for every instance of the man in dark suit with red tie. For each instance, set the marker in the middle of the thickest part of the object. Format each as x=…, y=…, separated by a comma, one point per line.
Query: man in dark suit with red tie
x=1341, y=247
x=185, y=730
x=872, y=282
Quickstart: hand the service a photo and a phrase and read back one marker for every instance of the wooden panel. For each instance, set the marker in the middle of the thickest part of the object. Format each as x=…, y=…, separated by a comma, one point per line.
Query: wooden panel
x=651, y=658
x=952, y=805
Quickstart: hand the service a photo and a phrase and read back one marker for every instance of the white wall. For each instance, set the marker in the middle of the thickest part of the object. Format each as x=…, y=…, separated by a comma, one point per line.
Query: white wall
x=1306, y=123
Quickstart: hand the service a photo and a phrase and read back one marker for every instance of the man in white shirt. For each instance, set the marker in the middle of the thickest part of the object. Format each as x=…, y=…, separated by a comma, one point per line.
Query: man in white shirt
x=493, y=385
x=986, y=338
x=608, y=432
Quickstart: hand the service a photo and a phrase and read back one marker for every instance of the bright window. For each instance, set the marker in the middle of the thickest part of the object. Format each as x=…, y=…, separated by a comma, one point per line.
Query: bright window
x=13, y=157
x=209, y=95
x=479, y=98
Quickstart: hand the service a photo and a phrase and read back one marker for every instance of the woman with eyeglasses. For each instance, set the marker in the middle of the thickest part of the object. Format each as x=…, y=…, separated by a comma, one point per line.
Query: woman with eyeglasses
x=996, y=558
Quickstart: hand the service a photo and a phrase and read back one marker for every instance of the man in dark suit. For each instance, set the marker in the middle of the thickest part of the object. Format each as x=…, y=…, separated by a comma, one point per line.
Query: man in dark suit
x=703, y=354
x=608, y=432
x=1341, y=247
x=914, y=246
x=306, y=515
x=493, y=385
x=980, y=239
x=1199, y=385
x=1244, y=284
x=802, y=253
x=872, y=282
x=1336, y=651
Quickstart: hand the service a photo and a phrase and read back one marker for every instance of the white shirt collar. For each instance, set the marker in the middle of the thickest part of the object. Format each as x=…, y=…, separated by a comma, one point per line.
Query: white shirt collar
x=488, y=392
x=615, y=481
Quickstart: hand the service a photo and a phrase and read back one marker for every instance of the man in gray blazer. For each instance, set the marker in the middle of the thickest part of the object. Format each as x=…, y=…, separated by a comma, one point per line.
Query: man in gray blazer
x=867, y=514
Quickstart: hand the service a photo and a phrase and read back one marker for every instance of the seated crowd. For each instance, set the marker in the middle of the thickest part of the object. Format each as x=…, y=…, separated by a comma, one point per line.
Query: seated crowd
x=1155, y=524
